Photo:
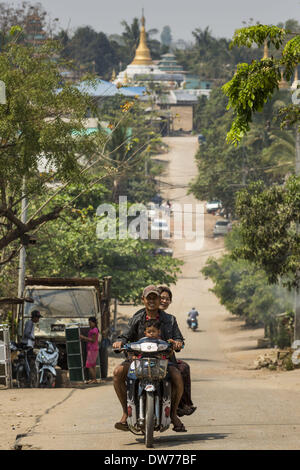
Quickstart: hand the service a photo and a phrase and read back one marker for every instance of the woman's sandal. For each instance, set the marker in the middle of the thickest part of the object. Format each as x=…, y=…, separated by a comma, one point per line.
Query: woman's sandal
x=180, y=428
x=191, y=410
x=122, y=426
x=186, y=411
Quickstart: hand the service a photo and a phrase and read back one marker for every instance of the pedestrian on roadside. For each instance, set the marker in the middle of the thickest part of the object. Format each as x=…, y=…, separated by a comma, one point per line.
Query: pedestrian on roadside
x=28, y=335
x=186, y=406
x=92, y=349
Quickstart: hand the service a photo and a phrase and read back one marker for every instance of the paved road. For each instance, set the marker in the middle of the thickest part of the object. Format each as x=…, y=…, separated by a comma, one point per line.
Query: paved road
x=237, y=409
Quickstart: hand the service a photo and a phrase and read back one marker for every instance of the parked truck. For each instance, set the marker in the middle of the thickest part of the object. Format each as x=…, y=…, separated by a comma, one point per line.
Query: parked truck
x=66, y=301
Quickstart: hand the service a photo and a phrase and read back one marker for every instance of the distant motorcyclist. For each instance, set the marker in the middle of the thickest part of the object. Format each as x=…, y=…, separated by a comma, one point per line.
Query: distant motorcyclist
x=192, y=315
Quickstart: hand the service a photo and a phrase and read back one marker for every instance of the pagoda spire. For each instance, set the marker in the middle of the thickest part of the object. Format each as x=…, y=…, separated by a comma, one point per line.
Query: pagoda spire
x=142, y=53
x=266, y=50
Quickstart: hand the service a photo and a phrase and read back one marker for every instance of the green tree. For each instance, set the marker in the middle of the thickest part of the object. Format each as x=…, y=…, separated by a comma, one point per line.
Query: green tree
x=38, y=126
x=69, y=247
x=268, y=215
x=265, y=153
x=210, y=58
x=91, y=50
x=131, y=144
x=166, y=36
x=244, y=289
x=253, y=84
x=268, y=219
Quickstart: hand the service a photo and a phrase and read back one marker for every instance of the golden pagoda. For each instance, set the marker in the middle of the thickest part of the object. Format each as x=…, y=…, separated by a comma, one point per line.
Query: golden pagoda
x=142, y=64
x=125, y=81
x=113, y=76
x=142, y=53
x=266, y=50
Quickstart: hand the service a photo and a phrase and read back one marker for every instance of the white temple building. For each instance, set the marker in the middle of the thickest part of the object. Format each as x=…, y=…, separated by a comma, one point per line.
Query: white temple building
x=142, y=64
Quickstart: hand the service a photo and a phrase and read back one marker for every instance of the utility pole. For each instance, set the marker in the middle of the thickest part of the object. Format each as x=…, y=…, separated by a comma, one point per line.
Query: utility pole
x=22, y=261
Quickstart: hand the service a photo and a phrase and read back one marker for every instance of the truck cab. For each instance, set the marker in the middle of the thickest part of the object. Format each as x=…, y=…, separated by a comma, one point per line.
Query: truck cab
x=63, y=302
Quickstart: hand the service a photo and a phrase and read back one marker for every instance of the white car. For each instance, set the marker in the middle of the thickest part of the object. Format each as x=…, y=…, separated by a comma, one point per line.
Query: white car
x=160, y=227
x=212, y=206
x=222, y=227
x=163, y=251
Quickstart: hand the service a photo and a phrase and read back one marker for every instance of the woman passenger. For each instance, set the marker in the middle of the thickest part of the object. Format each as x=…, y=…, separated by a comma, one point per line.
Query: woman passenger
x=186, y=406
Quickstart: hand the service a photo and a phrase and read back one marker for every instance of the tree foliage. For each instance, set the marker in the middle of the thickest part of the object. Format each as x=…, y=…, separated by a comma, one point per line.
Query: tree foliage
x=265, y=153
x=244, y=289
x=210, y=57
x=253, y=84
x=37, y=127
x=69, y=247
x=268, y=218
x=91, y=50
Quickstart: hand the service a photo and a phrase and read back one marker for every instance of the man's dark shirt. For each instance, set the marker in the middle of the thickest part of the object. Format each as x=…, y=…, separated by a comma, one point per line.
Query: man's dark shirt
x=135, y=329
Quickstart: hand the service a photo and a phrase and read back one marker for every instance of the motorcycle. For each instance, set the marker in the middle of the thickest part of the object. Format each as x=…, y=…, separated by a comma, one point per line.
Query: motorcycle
x=46, y=360
x=193, y=324
x=23, y=366
x=148, y=388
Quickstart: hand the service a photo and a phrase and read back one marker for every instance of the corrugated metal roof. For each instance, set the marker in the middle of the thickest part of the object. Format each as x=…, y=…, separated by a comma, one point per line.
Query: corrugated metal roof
x=103, y=88
x=182, y=95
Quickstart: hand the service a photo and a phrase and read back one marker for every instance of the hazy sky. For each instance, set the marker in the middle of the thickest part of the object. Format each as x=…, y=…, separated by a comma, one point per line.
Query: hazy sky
x=223, y=17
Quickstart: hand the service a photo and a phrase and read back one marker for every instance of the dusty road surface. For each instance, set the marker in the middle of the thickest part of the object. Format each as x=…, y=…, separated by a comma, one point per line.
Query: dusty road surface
x=238, y=407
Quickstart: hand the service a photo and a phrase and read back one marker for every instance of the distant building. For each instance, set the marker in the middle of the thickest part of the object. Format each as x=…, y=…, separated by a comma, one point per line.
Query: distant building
x=180, y=105
x=169, y=64
x=173, y=91
x=142, y=64
x=34, y=30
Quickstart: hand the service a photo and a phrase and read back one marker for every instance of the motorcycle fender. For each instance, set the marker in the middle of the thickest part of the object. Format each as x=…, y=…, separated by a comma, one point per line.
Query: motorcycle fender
x=131, y=388
x=50, y=368
x=166, y=406
x=132, y=416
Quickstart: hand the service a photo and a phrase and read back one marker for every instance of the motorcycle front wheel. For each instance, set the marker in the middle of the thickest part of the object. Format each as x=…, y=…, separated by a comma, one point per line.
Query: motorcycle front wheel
x=48, y=380
x=149, y=421
x=21, y=377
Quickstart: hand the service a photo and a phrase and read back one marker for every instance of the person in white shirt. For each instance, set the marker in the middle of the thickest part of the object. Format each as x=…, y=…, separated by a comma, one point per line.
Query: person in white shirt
x=28, y=335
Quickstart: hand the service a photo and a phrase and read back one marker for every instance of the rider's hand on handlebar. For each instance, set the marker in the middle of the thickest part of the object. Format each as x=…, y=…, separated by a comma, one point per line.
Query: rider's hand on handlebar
x=177, y=345
x=117, y=345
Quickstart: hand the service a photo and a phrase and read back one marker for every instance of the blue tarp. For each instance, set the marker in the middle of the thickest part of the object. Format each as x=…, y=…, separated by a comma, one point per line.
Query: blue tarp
x=103, y=89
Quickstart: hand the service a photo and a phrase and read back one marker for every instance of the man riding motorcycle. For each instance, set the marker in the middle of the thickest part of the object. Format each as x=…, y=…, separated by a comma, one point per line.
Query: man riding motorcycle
x=192, y=315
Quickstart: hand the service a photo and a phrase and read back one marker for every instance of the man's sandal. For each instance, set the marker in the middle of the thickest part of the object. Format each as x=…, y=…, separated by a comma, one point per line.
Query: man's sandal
x=122, y=426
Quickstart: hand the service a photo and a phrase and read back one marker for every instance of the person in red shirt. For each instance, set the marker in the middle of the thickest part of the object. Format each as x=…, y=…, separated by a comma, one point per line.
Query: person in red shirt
x=92, y=349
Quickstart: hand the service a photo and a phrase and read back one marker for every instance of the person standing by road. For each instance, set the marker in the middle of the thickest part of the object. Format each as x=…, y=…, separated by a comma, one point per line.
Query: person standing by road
x=92, y=349
x=28, y=336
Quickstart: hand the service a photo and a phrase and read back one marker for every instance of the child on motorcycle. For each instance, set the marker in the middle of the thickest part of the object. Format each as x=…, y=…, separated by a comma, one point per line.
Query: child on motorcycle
x=152, y=331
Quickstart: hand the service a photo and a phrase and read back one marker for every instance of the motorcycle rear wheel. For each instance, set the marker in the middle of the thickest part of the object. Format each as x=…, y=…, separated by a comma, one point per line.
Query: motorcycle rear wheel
x=149, y=421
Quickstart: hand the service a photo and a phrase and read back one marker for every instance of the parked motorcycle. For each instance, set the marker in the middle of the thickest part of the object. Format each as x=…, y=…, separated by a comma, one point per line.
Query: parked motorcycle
x=23, y=366
x=46, y=360
x=193, y=324
x=148, y=388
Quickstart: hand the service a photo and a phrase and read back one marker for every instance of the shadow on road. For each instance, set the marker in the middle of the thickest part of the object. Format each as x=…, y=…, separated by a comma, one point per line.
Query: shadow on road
x=172, y=441
x=196, y=359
